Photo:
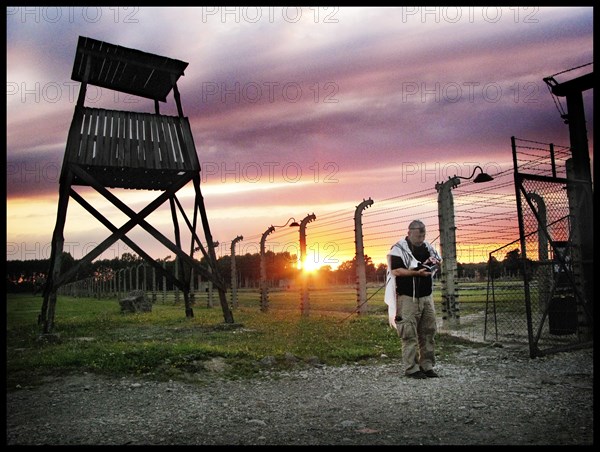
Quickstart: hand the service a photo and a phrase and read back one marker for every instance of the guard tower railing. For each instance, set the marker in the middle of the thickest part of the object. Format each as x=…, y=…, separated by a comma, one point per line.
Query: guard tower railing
x=121, y=149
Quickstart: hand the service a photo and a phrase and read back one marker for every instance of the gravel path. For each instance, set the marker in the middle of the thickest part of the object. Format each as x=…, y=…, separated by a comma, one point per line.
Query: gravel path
x=485, y=396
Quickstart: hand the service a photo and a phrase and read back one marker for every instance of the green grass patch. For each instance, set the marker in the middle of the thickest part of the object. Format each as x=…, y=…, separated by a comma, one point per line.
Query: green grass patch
x=92, y=335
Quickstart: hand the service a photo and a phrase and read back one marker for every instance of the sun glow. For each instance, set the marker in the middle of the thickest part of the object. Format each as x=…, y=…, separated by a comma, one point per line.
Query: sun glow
x=310, y=266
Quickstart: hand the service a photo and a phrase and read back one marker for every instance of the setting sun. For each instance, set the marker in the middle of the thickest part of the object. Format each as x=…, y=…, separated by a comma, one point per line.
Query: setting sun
x=310, y=266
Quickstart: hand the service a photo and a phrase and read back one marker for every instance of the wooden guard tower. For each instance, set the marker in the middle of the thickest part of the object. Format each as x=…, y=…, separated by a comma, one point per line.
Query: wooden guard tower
x=142, y=151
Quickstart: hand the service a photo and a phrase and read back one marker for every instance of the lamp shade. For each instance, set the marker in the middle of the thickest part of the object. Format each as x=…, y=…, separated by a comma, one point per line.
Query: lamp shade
x=483, y=177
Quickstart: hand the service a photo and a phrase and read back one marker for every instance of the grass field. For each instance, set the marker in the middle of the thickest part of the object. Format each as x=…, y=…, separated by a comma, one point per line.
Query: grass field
x=92, y=335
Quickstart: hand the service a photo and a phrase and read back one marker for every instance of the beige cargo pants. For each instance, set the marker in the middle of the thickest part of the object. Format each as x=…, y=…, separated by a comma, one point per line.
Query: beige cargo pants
x=417, y=330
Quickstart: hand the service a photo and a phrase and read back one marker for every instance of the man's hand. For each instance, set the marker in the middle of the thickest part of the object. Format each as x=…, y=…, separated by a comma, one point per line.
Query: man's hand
x=423, y=272
x=432, y=261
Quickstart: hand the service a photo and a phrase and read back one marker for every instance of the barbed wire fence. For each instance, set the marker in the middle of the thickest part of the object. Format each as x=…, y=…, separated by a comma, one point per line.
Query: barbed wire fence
x=486, y=225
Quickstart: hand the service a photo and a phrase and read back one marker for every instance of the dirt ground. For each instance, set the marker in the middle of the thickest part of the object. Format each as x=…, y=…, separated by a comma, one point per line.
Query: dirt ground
x=495, y=395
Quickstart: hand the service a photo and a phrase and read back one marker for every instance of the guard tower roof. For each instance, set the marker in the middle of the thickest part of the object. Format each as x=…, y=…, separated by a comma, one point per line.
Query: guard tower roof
x=126, y=70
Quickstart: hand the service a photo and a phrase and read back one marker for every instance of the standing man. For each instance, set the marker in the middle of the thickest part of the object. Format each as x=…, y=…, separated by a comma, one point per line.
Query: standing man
x=412, y=262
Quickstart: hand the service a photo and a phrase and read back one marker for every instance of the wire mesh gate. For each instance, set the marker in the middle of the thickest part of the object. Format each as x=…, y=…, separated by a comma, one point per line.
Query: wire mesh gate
x=542, y=302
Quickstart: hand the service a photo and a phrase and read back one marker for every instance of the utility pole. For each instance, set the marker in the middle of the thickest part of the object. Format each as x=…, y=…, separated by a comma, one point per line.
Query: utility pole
x=234, y=297
x=450, y=307
x=361, y=272
x=304, y=302
x=264, y=295
x=264, y=291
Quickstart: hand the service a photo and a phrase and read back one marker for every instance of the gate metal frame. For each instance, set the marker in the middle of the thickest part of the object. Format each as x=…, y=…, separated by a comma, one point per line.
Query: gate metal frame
x=571, y=268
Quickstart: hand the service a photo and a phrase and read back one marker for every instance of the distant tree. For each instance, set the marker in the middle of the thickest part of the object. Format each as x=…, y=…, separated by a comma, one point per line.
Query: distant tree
x=325, y=274
x=381, y=272
x=346, y=272
x=224, y=266
x=494, y=267
x=248, y=266
x=469, y=270
x=512, y=262
x=130, y=259
x=30, y=275
x=370, y=270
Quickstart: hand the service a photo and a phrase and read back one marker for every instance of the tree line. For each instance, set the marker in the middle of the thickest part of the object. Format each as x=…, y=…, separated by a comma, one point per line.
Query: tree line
x=281, y=269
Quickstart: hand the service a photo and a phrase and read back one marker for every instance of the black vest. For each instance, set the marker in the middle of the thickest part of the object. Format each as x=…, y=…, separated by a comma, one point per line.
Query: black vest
x=423, y=285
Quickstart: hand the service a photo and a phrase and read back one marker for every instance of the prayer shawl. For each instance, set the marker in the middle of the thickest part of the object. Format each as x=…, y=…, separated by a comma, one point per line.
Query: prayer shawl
x=402, y=250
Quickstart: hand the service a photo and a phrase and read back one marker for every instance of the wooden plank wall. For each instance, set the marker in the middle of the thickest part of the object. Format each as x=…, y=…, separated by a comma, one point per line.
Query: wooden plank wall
x=120, y=139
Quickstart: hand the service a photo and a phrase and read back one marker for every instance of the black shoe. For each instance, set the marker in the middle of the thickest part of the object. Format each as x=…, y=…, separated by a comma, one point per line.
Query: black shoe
x=430, y=374
x=418, y=374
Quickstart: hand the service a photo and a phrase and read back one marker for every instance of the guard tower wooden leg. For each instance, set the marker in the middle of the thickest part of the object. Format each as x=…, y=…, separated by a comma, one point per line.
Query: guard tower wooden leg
x=183, y=268
x=215, y=275
x=46, y=318
x=187, y=299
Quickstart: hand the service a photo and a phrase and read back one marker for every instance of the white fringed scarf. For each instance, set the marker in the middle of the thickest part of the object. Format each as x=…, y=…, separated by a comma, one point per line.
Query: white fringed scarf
x=402, y=250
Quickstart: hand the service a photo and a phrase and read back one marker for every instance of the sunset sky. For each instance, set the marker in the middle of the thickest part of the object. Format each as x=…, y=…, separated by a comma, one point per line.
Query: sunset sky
x=295, y=111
